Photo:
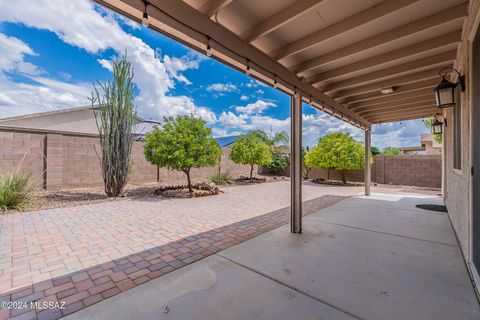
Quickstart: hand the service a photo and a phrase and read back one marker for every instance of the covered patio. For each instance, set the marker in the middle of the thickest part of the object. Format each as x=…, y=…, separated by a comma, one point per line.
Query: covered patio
x=376, y=257
x=373, y=256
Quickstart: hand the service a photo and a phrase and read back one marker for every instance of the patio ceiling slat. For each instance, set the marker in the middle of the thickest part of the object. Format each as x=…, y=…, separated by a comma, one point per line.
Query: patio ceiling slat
x=394, y=82
x=398, y=110
x=211, y=7
x=442, y=59
x=396, y=99
x=428, y=112
x=424, y=93
x=457, y=12
x=424, y=84
x=394, y=107
x=342, y=26
x=417, y=48
x=279, y=19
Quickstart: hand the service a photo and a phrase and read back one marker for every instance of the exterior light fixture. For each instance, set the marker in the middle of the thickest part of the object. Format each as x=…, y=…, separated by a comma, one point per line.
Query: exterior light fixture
x=275, y=82
x=145, y=22
x=445, y=92
x=209, y=48
x=247, y=71
x=388, y=90
x=437, y=123
x=310, y=101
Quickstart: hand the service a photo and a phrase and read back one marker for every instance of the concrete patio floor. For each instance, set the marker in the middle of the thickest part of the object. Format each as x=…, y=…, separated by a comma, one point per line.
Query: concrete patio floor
x=363, y=258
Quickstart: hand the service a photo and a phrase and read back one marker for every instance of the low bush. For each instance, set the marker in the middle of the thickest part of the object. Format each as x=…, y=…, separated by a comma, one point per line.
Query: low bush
x=16, y=190
x=220, y=178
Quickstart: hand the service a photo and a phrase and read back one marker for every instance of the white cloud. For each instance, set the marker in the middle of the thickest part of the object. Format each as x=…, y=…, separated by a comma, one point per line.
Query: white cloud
x=46, y=95
x=176, y=65
x=107, y=64
x=222, y=87
x=13, y=53
x=79, y=24
x=244, y=97
x=229, y=119
x=256, y=107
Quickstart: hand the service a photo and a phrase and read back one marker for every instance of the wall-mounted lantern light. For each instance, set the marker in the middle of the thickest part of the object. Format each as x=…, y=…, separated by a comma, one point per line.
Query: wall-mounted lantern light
x=437, y=123
x=445, y=92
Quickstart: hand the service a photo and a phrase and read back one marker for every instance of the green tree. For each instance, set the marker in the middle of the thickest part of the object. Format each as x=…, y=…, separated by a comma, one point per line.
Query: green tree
x=375, y=151
x=337, y=151
x=305, y=167
x=428, y=123
x=391, y=151
x=250, y=149
x=183, y=143
x=272, y=140
x=112, y=102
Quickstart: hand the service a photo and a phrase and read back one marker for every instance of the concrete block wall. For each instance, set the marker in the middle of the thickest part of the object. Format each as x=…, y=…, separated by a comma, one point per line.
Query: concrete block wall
x=59, y=160
x=408, y=170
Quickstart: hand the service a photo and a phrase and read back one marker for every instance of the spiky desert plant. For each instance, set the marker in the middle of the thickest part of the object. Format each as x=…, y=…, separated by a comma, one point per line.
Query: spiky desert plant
x=16, y=190
x=114, y=110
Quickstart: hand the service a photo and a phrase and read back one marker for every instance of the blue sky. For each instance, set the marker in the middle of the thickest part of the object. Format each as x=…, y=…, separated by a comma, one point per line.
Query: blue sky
x=50, y=60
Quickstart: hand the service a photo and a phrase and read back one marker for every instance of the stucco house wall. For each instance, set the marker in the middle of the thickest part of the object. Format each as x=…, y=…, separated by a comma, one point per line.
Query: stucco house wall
x=457, y=184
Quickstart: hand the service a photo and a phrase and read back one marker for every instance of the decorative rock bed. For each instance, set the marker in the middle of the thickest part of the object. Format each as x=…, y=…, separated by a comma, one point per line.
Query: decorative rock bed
x=181, y=191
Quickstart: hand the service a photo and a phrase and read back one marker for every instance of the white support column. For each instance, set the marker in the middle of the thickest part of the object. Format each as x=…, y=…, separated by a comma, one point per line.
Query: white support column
x=368, y=162
x=296, y=163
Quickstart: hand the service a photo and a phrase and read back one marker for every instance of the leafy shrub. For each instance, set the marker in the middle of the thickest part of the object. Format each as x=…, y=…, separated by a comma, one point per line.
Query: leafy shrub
x=220, y=178
x=16, y=189
x=279, y=163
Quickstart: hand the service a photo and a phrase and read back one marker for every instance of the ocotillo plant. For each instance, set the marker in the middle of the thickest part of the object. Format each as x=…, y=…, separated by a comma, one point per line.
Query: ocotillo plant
x=112, y=102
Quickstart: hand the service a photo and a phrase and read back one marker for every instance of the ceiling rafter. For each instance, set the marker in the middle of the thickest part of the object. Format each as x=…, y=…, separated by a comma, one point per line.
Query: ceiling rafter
x=429, y=83
x=440, y=59
x=394, y=106
x=279, y=19
x=396, y=98
x=389, y=83
x=342, y=26
x=211, y=7
x=414, y=49
x=397, y=109
x=456, y=12
x=428, y=112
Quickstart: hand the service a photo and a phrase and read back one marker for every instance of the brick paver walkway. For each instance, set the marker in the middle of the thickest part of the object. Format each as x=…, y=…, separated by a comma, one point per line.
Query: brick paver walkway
x=81, y=255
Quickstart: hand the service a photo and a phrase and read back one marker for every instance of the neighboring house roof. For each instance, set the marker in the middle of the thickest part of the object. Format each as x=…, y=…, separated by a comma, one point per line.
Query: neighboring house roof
x=226, y=141
x=141, y=129
x=72, y=120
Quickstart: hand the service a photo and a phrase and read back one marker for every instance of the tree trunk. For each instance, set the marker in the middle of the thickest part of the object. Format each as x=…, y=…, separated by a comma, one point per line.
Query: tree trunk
x=189, y=182
x=344, y=179
x=251, y=172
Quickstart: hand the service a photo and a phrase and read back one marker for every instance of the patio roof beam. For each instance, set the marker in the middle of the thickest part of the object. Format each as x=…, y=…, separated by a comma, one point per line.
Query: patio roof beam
x=340, y=27
x=454, y=13
x=390, y=56
x=428, y=111
x=439, y=60
x=279, y=19
x=399, y=99
x=393, y=82
x=212, y=7
x=429, y=83
x=402, y=118
x=398, y=110
x=184, y=23
x=393, y=107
